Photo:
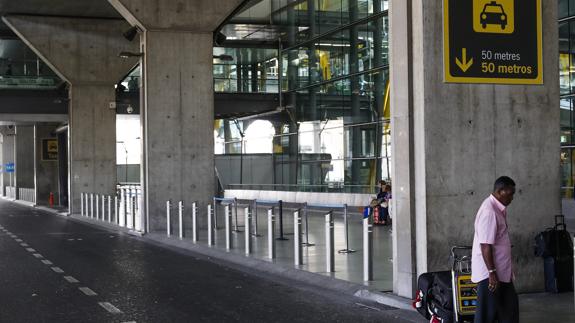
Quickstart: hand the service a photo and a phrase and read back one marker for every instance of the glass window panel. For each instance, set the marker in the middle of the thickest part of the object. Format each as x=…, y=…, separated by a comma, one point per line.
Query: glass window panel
x=563, y=7
x=564, y=58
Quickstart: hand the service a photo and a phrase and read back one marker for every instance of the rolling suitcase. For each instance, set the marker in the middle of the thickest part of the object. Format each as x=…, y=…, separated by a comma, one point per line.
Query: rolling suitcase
x=558, y=274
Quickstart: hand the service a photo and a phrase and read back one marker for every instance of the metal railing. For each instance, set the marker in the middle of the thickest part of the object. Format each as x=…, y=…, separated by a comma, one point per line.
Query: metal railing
x=11, y=192
x=27, y=194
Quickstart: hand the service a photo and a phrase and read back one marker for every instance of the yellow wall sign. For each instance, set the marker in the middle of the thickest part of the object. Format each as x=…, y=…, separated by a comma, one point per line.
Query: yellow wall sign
x=493, y=41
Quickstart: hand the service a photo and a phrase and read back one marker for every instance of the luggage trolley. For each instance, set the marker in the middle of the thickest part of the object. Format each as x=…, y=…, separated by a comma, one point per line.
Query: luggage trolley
x=464, y=290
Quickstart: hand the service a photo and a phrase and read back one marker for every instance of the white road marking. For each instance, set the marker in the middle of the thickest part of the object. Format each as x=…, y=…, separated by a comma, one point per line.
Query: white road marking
x=57, y=270
x=30, y=250
x=71, y=279
x=87, y=291
x=110, y=308
x=18, y=240
x=47, y=262
x=24, y=245
x=37, y=255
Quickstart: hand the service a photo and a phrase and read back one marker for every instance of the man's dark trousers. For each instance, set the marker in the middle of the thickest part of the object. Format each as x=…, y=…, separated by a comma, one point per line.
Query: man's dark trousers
x=501, y=306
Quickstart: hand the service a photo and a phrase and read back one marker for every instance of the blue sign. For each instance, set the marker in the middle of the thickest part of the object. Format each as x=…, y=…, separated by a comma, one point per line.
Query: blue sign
x=9, y=168
x=366, y=212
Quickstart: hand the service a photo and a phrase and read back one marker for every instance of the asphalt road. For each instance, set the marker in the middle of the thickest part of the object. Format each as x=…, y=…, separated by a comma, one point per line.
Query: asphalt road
x=53, y=269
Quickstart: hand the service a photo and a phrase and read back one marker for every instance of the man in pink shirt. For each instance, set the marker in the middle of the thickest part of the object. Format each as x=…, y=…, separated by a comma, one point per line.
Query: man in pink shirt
x=491, y=264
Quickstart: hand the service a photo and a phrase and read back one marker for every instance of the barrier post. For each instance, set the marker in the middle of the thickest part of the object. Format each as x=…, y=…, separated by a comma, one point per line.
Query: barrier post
x=367, y=248
x=271, y=234
x=329, y=254
x=97, y=202
x=181, y=219
x=116, y=220
x=281, y=212
x=168, y=218
x=236, y=226
x=133, y=212
x=125, y=195
x=86, y=205
x=103, y=207
x=306, y=243
x=247, y=226
x=82, y=204
x=346, y=231
x=227, y=221
x=109, y=208
x=297, y=247
x=255, y=212
x=210, y=227
x=215, y=210
x=194, y=222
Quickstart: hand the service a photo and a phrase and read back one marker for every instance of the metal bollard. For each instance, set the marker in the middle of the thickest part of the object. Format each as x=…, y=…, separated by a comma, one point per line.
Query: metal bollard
x=103, y=207
x=329, y=254
x=271, y=235
x=210, y=227
x=306, y=243
x=236, y=229
x=367, y=248
x=181, y=219
x=86, y=211
x=109, y=208
x=297, y=247
x=125, y=195
x=215, y=210
x=168, y=218
x=116, y=220
x=97, y=206
x=82, y=204
x=92, y=205
x=255, y=211
x=227, y=221
x=247, y=226
x=194, y=222
x=346, y=232
x=133, y=213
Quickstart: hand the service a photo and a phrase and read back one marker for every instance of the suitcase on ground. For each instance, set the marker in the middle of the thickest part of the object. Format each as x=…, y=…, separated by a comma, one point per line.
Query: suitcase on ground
x=558, y=274
x=554, y=242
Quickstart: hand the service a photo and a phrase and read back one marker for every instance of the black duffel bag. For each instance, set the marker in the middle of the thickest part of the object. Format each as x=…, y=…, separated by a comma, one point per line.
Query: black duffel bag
x=435, y=295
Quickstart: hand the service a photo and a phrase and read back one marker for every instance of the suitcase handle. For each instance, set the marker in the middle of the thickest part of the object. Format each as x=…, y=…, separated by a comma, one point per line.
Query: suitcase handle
x=559, y=219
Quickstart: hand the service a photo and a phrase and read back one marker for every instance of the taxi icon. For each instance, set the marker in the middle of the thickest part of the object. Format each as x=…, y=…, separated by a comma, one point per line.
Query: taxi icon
x=493, y=14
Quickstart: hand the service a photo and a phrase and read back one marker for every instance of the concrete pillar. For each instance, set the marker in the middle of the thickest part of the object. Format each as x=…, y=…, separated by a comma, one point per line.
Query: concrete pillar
x=84, y=52
x=451, y=141
x=24, y=158
x=178, y=110
x=46, y=170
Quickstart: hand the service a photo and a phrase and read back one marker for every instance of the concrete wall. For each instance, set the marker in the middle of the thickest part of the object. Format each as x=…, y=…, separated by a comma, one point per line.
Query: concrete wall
x=465, y=136
x=46, y=170
x=25, y=156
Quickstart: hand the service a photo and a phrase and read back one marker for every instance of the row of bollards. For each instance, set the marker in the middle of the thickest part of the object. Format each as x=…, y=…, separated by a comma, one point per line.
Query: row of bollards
x=120, y=210
x=271, y=238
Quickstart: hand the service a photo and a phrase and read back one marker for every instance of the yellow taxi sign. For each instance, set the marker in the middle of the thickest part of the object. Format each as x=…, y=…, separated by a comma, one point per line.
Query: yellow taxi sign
x=493, y=41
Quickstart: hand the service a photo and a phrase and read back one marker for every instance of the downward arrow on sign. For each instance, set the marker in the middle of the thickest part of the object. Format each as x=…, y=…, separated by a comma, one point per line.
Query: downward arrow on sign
x=464, y=64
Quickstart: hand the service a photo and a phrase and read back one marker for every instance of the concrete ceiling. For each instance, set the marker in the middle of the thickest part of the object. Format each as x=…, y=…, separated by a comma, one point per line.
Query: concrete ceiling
x=71, y=8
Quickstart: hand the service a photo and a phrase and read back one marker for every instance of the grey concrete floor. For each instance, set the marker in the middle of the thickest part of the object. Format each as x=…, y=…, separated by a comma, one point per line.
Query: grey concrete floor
x=53, y=269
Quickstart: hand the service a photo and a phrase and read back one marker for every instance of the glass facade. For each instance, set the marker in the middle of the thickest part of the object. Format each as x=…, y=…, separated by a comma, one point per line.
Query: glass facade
x=567, y=90
x=331, y=132
x=20, y=68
